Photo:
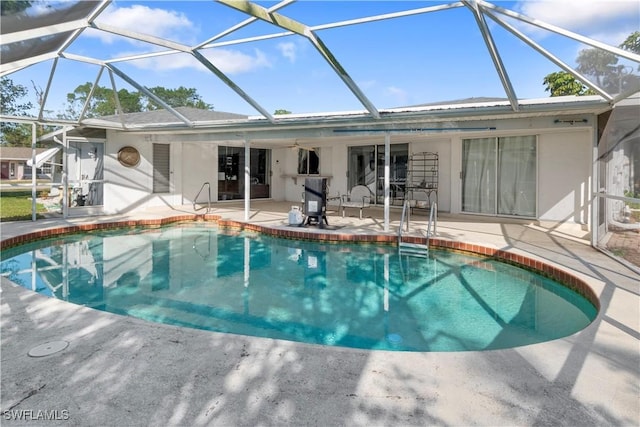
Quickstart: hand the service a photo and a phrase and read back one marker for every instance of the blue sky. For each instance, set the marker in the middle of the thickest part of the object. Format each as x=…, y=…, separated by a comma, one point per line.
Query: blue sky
x=407, y=61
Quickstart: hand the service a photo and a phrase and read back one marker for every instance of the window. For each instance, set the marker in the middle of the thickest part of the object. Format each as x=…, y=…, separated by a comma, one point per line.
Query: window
x=161, y=168
x=308, y=161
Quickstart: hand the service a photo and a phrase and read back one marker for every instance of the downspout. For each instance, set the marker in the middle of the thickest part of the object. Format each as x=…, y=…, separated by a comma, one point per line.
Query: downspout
x=247, y=178
x=33, y=172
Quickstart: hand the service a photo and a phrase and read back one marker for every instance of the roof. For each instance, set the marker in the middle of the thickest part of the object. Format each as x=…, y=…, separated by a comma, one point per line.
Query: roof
x=167, y=118
x=63, y=38
x=18, y=153
x=438, y=116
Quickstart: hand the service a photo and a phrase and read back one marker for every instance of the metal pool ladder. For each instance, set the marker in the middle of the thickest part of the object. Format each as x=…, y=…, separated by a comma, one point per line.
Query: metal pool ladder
x=416, y=249
x=206, y=184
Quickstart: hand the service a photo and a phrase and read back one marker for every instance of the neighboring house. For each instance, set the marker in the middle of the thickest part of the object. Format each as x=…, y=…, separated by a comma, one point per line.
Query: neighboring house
x=15, y=163
x=536, y=164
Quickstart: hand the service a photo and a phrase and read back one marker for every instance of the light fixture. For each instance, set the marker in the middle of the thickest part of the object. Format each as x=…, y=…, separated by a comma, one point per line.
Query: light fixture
x=570, y=121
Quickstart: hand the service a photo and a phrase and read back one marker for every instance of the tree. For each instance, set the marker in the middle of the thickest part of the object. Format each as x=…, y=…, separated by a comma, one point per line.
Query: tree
x=632, y=43
x=282, y=111
x=601, y=67
x=103, y=101
x=10, y=7
x=13, y=105
x=562, y=83
x=180, y=97
x=598, y=64
x=11, y=98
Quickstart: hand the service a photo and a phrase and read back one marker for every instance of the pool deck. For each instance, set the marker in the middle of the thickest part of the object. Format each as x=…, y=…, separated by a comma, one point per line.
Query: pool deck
x=124, y=371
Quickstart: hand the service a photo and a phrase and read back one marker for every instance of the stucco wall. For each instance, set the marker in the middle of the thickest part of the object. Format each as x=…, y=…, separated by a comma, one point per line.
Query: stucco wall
x=127, y=188
x=564, y=167
x=564, y=171
x=200, y=165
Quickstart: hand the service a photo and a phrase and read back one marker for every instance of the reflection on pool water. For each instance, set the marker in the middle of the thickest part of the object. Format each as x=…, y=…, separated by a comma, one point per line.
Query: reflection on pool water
x=350, y=295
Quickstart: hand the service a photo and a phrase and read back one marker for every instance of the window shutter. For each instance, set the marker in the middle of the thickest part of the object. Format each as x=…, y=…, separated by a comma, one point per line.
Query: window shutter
x=161, y=168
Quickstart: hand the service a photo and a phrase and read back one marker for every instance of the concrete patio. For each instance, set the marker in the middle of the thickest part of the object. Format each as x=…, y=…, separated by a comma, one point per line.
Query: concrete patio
x=124, y=371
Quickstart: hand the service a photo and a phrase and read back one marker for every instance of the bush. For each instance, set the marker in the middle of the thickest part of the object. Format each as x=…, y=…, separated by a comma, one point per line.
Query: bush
x=632, y=205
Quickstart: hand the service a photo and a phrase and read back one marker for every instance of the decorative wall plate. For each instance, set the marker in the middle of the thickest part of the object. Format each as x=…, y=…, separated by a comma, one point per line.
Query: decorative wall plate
x=129, y=156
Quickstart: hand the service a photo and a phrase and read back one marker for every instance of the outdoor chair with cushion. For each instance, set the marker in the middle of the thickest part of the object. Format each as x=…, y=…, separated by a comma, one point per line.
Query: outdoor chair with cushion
x=359, y=197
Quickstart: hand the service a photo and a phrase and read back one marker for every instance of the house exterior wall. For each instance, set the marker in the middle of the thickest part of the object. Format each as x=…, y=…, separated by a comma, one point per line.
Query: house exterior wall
x=17, y=167
x=564, y=176
x=280, y=163
x=199, y=165
x=129, y=188
x=564, y=165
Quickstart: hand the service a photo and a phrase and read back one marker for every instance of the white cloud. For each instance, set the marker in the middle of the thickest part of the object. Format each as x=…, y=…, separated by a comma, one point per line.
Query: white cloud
x=584, y=16
x=288, y=50
x=400, y=96
x=162, y=23
x=228, y=61
x=166, y=62
x=367, y=84
x=174, y=26
x=234, y=62
x=614, y=37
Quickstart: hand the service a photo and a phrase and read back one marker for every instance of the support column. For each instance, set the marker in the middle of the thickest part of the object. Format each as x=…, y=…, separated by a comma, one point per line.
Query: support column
x=65, y=174
x=247, y=179
x=34, y=173
x=595, y=186
x=387, y=186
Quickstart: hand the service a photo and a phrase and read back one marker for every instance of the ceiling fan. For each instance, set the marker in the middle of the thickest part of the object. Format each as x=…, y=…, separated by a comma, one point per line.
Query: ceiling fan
x=297, y=145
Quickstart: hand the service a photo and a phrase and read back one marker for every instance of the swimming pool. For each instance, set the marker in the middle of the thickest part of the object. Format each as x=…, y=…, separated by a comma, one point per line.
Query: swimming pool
x=350, y=295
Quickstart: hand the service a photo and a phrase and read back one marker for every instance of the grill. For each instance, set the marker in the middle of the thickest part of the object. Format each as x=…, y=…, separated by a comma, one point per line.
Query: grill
x=315, y=201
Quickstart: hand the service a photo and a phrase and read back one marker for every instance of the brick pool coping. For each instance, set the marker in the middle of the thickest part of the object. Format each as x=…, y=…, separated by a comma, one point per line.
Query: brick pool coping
x=558, y=274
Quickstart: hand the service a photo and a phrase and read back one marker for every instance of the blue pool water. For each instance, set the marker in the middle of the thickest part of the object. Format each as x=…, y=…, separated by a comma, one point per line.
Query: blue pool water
x=362, y=296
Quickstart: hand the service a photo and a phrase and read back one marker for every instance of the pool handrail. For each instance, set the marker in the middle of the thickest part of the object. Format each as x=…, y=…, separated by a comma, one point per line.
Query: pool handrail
x=433, y=219
x=198, y=195
x=431, y=225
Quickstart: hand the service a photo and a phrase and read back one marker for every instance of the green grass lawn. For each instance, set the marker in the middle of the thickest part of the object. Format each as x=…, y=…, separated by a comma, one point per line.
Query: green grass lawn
x=16, y=206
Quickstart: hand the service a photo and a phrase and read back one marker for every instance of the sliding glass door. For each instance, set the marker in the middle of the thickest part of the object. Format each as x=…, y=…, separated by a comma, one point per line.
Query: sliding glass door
x=366, y=167
x=517, y=162
x=479, y=175
x=499, y=176
x=231, y=165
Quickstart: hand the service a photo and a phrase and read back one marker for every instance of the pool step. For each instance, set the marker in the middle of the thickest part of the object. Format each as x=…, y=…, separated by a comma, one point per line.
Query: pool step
x=414, y=249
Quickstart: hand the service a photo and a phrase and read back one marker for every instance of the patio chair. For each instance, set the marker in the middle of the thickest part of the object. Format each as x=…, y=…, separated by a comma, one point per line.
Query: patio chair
x=359, y=197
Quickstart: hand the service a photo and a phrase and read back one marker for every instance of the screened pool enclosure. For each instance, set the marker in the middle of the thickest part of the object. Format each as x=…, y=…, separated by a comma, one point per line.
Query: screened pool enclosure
x=361, y=106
